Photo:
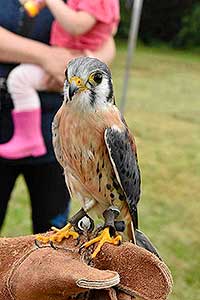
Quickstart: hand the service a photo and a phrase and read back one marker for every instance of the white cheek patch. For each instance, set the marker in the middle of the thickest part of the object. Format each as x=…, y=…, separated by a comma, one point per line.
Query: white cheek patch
x=102, y=92
x=102, y=89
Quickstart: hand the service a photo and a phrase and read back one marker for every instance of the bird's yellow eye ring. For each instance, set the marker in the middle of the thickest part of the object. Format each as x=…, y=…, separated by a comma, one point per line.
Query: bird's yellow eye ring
x=78, y=81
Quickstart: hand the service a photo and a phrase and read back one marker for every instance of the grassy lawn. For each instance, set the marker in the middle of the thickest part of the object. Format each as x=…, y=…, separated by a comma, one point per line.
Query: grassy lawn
x=163, y=112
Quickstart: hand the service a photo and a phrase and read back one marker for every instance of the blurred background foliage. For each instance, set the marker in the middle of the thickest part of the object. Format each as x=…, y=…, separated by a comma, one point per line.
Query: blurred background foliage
x=175, y=22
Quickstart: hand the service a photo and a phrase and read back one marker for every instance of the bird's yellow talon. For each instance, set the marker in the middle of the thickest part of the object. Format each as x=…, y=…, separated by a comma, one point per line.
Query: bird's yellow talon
x=103, y=238
x=59, y=235
x=42, y=239
x=55, y=229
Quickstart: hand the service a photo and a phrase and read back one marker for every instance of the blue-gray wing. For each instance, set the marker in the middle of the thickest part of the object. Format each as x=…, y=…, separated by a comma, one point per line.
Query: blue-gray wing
x=124, y=161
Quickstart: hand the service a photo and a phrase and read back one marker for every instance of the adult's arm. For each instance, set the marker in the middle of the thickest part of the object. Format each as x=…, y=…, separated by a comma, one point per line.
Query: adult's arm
x=17, y=49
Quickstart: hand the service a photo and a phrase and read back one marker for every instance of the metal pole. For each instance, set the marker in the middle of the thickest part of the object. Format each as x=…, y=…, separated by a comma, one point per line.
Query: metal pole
x=133, y=33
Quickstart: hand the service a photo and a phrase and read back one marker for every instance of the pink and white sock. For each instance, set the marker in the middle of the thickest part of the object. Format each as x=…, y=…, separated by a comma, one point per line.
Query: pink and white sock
x=23, y=83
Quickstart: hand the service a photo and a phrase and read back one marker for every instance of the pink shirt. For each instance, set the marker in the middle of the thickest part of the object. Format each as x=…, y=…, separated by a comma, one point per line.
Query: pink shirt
x=106, y=13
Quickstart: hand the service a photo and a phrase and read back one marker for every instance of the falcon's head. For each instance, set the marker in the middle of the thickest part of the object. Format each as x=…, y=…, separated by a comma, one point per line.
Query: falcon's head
x=88, y=85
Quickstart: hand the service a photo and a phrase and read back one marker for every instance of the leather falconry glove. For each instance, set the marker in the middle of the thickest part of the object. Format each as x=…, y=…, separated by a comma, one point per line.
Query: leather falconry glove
x=35, y=271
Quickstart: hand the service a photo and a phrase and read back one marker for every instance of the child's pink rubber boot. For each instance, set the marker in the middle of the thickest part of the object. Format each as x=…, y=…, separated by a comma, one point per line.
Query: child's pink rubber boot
x=27, y=139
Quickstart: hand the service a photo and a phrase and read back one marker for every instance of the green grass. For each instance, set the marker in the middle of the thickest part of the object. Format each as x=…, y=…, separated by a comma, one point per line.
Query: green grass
x=163, y=112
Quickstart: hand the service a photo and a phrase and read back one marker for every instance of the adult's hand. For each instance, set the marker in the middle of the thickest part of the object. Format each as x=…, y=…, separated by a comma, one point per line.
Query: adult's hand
x=54, y=62
x=51, y=84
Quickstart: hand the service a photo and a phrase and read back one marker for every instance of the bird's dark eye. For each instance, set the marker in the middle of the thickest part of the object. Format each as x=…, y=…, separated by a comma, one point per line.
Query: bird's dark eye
x=98, y=77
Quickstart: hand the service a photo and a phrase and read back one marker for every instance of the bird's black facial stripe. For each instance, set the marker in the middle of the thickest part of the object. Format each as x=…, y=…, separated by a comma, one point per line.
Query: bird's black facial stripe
x=90, y=83
x=92, y=97
x=66, y=75
x=110, y=95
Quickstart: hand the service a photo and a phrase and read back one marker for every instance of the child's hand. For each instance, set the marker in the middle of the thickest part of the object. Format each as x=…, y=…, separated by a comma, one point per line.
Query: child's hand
x=40, y=3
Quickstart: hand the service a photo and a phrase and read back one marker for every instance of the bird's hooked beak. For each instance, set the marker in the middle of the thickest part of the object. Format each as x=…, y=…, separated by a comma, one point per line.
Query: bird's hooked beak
x=76, y=85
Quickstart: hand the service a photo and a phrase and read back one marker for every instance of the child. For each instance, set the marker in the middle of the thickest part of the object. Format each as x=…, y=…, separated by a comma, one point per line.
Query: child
x=80, y=26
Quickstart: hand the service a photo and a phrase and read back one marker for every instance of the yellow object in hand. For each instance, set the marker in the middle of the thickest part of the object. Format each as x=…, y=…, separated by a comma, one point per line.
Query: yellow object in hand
x=33, y=7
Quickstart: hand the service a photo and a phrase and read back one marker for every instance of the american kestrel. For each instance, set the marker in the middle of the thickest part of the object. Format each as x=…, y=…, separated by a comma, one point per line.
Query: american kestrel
x=93, y=144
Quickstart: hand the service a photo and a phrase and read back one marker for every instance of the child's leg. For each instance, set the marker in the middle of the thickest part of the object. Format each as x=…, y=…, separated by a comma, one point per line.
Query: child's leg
x=23, y=83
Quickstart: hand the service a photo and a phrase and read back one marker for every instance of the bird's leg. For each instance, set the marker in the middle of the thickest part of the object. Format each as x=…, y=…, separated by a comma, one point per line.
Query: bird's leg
x=80, y=222
x=110, y=214
x=108, y=234
x=120, y=226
